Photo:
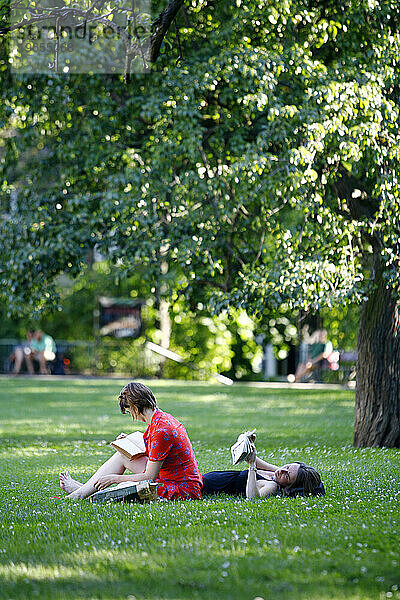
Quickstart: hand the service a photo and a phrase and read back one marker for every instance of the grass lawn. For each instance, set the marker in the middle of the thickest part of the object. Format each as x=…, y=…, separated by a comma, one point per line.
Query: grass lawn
x=345, y=545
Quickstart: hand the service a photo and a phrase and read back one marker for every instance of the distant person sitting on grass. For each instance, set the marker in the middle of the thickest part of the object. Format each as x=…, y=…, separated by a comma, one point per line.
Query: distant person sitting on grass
x=169, y=460
x=41, y=348
x=43, y=351
x=263, y=479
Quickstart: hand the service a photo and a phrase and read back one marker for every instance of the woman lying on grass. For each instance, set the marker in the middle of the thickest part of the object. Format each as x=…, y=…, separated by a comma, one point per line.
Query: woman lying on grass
x=263, y=479
x=169, y=459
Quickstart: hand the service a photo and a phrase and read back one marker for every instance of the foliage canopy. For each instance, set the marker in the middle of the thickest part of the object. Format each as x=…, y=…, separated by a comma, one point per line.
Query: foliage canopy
x=264, y=163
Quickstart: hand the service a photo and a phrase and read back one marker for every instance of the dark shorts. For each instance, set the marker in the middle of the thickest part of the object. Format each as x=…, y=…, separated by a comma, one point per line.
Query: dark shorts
x=225, y=482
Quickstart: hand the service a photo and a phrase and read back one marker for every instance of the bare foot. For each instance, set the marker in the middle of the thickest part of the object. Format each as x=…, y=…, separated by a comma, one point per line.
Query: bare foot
x=68, y=484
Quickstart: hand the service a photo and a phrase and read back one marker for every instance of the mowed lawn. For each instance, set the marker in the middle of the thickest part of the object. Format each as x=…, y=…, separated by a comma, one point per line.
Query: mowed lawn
x=344, y=545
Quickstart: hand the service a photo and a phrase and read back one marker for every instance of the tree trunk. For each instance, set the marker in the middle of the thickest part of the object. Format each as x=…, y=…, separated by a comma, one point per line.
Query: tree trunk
x=377, y=407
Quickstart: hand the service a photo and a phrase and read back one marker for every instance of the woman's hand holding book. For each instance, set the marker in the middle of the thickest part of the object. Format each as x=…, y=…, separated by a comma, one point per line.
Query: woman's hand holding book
x=251, y=458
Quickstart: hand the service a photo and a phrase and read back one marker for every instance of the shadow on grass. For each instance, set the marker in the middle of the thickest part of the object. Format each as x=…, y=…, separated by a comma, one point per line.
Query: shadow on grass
x=341, y=546
x=89, y=411
x=114, y=575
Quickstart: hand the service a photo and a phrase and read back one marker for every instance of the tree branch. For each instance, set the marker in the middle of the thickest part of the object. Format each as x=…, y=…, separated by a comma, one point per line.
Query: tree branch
x=255, y=261
x=161, y=25
x=212, y=283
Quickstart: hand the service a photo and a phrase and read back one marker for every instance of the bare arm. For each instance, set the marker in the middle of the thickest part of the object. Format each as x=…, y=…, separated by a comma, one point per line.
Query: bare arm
x=251, y=485
x=261, y=464
x=260, y=490
x=268, y=488
x=152, y=469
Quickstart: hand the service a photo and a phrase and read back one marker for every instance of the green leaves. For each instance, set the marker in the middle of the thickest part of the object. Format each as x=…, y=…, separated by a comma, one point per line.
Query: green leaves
x=241, y=164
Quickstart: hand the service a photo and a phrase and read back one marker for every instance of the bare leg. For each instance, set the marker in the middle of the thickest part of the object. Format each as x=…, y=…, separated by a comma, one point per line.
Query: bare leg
x=18, y=358
x=114, y=465
x=299, y=372
x=29, y=364
x=42, y=363
x=302, y=370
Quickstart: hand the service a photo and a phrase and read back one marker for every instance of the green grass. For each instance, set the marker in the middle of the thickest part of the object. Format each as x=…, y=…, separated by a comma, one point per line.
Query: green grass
x=345, y=545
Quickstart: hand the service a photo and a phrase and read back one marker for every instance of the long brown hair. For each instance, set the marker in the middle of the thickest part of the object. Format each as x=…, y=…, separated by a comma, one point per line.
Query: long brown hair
x=138, y=397
x=307, y=478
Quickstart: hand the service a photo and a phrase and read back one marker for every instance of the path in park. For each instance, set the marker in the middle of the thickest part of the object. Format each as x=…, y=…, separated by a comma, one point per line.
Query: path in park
x=256, y=384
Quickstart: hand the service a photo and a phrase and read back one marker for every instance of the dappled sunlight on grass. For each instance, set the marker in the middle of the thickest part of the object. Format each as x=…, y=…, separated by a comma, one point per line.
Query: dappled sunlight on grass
x=37, y=572
x=342, y=546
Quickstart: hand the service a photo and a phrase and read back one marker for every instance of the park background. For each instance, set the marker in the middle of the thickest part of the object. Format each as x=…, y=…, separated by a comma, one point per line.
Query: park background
x=231, y=344
x=240, y=180
x=245, y=159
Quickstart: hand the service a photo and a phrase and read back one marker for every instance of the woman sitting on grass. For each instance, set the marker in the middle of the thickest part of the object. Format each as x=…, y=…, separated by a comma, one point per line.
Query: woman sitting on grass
x=169, y=459
x=263, y=479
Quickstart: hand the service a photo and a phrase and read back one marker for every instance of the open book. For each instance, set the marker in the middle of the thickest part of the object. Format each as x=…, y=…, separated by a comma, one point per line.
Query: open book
x=131, y=446
x=243, y=447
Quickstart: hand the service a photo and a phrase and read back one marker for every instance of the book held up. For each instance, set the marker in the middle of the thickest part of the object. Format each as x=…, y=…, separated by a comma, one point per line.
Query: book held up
x=131, y=446
x=243, y=447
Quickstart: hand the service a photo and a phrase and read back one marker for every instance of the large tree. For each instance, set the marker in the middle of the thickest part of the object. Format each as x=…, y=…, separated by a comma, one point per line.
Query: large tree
x=264, y=163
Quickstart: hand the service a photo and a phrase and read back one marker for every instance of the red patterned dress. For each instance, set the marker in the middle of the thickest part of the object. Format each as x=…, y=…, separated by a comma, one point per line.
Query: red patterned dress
x=166, y=439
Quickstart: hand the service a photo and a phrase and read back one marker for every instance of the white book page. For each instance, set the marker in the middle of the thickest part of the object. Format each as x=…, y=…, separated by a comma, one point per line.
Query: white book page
x=137, y=438
x=124, y=484
x=132, y=443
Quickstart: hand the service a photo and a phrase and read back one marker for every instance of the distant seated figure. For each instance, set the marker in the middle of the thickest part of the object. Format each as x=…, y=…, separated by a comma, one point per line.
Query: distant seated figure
x=318, y=351
x=43, y=350
x=20, y=352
